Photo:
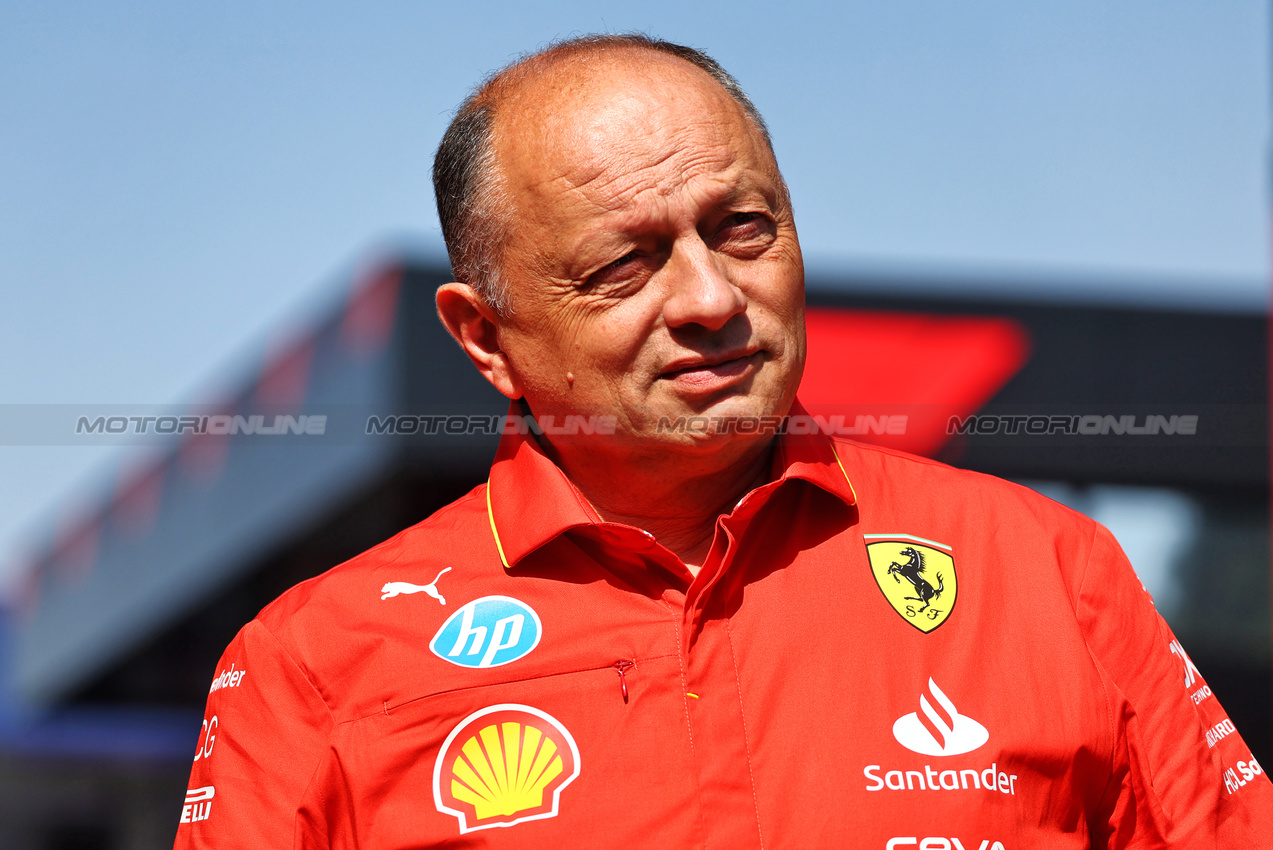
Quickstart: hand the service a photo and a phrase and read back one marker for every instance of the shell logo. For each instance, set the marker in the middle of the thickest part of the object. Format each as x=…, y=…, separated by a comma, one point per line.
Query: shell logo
x=504, y=765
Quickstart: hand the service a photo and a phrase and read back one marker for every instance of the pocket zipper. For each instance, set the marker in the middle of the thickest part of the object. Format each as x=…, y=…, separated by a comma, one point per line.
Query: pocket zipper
x=622, y=666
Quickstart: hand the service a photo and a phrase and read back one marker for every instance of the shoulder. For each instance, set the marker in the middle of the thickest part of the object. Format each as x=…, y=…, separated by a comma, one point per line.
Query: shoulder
x=1015, y=549
x=345, y=602
x=907, y=487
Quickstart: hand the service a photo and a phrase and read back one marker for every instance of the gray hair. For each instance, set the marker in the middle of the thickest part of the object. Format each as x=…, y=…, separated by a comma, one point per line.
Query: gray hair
x=465, y=182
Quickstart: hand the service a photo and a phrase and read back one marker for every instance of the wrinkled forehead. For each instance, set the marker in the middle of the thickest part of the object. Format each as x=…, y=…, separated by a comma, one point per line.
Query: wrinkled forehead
x=592, y=118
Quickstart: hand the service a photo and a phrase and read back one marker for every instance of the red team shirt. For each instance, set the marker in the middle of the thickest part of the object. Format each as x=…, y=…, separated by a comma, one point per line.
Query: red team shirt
x=880, y=651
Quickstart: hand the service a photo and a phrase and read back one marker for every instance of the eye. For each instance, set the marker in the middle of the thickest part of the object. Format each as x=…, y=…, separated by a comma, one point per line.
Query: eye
x=621, y=262
x=621, y=271
x=744, y=234
x=738, y=219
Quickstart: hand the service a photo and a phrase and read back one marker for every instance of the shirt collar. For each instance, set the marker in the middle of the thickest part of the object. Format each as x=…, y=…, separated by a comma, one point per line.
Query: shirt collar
x=530, y=502
x=810, y=457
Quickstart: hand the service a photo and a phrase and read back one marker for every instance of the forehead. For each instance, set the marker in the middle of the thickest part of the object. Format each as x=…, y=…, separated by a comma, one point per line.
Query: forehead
x=602, y=131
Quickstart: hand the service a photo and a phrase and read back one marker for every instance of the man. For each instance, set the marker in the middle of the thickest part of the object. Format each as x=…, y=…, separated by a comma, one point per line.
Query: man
x=659, y=637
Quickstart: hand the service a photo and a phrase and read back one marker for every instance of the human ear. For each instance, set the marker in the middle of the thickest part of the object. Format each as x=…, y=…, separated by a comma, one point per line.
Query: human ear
x=476, y=327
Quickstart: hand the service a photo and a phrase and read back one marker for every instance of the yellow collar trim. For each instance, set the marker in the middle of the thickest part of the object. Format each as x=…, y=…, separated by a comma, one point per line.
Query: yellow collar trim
x=494, y=531
x=837, y=462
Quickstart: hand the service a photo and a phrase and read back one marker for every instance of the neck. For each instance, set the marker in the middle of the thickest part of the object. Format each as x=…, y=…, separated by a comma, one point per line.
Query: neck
x=673, y=497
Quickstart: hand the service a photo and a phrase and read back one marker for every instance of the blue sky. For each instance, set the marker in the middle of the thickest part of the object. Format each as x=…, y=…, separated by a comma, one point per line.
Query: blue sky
x=179, y=182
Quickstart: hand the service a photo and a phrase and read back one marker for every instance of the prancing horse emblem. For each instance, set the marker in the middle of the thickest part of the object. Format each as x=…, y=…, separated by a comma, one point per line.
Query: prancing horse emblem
x=927, y=596
x=393, y=588
x=913, y=571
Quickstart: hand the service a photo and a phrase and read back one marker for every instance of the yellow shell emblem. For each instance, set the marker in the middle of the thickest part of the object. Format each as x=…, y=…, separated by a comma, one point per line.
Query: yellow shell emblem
x=916, y=576
x=504, y=765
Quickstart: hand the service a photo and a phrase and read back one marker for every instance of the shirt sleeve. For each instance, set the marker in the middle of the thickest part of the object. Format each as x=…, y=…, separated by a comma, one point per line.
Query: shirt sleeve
x=1188, y=779
x=265, y=731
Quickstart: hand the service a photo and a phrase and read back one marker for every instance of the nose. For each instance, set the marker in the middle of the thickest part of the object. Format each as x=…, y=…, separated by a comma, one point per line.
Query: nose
x=702, y=293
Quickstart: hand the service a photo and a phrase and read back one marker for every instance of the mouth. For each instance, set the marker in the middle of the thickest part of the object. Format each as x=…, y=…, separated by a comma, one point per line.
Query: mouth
x=710, y=373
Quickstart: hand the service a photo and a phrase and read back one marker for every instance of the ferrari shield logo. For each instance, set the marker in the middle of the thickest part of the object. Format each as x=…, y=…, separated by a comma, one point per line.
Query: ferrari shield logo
x=916, y=576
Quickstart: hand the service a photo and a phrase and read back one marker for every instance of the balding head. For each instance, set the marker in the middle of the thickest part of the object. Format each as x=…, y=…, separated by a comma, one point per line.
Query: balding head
x=646, y=246
x=473, y=205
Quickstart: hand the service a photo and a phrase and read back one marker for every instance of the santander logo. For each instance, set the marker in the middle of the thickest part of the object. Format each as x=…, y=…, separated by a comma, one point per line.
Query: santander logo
x=938, y=729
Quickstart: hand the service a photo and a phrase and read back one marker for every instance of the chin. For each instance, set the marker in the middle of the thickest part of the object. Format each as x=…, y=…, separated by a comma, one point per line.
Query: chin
x=747, y=407
x=760, y=401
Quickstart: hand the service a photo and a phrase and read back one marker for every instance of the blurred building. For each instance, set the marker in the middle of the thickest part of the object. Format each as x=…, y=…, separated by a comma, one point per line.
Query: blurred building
x=1153, y=421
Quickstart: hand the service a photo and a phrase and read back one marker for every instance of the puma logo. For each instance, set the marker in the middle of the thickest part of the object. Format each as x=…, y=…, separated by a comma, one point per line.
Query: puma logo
x=393, y=588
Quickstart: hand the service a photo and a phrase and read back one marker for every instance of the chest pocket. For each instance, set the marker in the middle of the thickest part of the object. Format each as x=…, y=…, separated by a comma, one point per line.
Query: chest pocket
x=593, y=757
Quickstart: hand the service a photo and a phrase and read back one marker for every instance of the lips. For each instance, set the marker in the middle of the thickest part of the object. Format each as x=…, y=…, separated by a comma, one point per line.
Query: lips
x=708, y=373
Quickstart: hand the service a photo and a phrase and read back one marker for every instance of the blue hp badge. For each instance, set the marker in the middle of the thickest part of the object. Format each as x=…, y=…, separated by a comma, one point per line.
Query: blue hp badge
x=488, y=632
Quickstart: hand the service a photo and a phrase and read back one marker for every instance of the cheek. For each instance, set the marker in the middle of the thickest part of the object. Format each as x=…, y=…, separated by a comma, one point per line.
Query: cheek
x=539, y=360
x=780, y=298
x=617, y=339
x=585, y=363
x=602, y=347
x=789, y=290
